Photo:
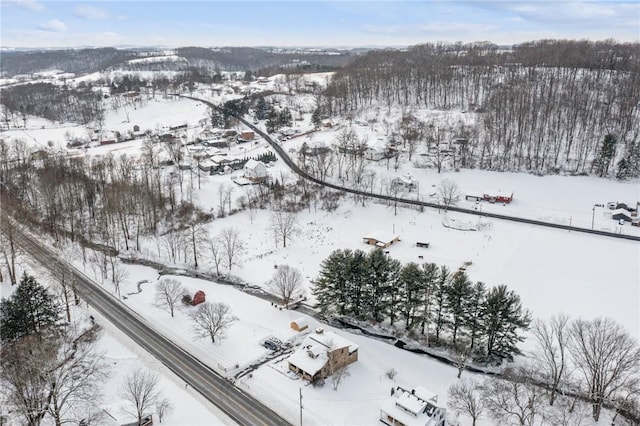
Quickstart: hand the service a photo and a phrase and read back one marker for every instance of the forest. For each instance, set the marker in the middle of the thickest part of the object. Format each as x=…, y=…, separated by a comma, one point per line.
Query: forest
x=541, y=107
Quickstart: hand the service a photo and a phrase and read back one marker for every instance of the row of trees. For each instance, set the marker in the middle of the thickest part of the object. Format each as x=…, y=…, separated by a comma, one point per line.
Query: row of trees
x=50, y=370
x=574, y=363
x=444, y=307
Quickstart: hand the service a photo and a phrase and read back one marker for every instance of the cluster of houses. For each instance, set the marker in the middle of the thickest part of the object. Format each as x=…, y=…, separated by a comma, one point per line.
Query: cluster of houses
x=322, y=353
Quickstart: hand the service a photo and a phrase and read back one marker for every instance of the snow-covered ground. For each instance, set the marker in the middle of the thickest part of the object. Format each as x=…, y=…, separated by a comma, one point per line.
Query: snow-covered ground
x=552, y=270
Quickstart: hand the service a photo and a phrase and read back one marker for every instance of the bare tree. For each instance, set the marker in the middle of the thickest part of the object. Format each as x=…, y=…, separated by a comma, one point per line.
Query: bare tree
x=465, y=398
x=141, y=390
x=232, y=246
x=566, y=412
x=215, y=252
x=24, y=367
x=212, y=320
x=75, y=382
x=448, y=193
x=461, y=355
x=283, y=225
x=337, y=369
x=606, y=355
x=550, y=355
x=287, y=283
x=59, y=375
x=197, y=236
x=163, y=408
x=8, y=244
x=512, y=400
x=118, y=276
x=168, y=294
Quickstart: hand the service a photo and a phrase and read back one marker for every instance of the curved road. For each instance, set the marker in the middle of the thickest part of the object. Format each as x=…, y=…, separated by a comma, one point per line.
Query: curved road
x=293, y=166
x=240, y=407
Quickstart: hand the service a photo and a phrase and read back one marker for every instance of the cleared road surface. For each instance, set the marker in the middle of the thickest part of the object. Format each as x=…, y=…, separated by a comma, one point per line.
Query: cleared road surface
x=242, y=408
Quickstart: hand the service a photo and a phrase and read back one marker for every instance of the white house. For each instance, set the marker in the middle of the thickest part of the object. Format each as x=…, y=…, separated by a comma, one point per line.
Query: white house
x=416, y=407
x=404, y=183
x=255, y=170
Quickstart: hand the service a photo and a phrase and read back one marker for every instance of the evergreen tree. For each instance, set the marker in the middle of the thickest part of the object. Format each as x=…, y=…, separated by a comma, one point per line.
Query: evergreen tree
x=316, y=117
x=382, y=276
x=30, y=310
x=431, y=274
x=410, y=287
x=262, y=109
x=285, y=118
x=605, y=155
x=439, y=299
x=504, y=318
x=473, y=319
x=273, y=121
x=218, y=119
x=355, y=275
x=330, y=289
x=457, y=299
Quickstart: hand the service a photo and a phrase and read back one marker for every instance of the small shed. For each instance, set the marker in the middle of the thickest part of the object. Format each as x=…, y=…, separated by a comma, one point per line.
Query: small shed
x=300, y=324
x=380, y=239
x=198, y=298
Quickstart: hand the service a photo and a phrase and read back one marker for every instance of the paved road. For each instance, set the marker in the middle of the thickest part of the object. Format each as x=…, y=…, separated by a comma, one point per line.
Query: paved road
x=239, y=406
x=293, y=166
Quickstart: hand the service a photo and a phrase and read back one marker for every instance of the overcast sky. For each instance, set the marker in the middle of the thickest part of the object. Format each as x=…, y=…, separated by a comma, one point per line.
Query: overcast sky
x=33, y=23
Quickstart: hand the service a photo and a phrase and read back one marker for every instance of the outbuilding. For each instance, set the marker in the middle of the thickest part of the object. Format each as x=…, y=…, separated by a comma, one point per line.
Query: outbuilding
x=300, y=324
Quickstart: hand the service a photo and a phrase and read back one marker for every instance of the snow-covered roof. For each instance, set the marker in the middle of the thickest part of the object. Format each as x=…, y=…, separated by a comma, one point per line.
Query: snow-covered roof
x=498, y=193
x=302, y=322
x=253, y=164
x=413, y=408
x=621, y=211
x=385, y=237
x=311, y=356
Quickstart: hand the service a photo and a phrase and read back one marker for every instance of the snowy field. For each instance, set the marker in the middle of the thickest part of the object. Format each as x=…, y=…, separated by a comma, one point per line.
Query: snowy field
x=552, y=270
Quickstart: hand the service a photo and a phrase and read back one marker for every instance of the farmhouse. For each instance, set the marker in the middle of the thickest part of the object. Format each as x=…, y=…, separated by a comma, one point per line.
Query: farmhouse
x=417, y=407
x=255, y=171
x=380, y=239
x=322, y=353
x=498, y=196
x=404, y=183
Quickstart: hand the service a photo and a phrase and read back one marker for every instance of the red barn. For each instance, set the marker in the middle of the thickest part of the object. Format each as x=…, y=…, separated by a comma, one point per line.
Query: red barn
x=198, y=298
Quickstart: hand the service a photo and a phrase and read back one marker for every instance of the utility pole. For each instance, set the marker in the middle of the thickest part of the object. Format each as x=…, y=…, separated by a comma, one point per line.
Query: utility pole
x=300, y=406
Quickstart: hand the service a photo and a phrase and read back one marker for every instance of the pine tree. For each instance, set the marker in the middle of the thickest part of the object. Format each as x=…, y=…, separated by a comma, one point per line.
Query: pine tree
x=262, y=109
x=439, y=299
x=285, y=118
x=355, y=275
x=382, y=276
x=30, y=310
x=605, y=155
x=457, y=299
x=410, y=286
x=330, y=289
x=273, y=121
x=316, y=117
x=431, y=275
x=473, y=319
x=504, y=317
